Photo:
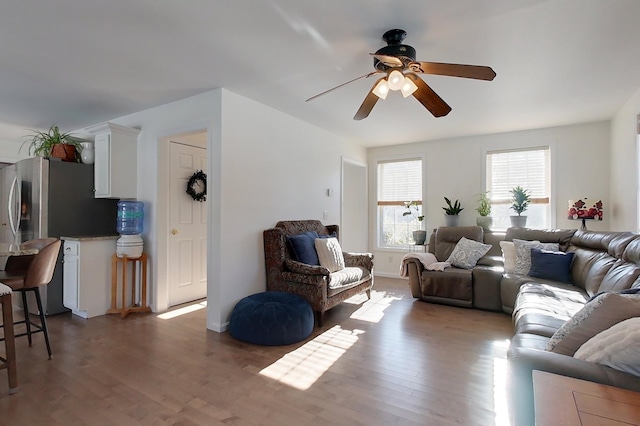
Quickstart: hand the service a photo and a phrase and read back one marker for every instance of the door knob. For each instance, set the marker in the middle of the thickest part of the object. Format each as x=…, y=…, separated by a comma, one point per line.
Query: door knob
x=174, y=231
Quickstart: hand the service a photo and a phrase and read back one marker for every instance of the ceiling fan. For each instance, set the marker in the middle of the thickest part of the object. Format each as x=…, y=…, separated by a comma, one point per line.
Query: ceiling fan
x=398, y=62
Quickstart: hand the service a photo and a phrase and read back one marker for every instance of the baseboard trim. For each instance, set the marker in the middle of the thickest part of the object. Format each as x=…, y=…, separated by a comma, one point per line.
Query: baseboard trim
x=388, y=275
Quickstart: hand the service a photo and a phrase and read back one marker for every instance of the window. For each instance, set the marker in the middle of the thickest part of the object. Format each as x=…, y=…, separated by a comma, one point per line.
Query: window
x=528, y=168
x=399, y=181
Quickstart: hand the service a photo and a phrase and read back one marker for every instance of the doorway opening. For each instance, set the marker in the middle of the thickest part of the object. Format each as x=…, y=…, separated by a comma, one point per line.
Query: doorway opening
x=184, y=243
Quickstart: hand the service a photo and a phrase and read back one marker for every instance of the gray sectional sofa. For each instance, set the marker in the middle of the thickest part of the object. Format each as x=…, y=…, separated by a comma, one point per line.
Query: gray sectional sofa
x=602, y=262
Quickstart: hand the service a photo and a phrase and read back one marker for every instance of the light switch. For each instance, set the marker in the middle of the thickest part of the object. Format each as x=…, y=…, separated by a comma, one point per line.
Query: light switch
x=329, y=192
x=325, y=215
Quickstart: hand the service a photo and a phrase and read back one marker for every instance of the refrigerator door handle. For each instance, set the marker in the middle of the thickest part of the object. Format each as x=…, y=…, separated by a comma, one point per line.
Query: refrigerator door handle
x=11, y=208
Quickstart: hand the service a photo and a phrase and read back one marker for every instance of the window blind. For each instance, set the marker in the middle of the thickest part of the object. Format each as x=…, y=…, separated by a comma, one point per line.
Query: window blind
x=399, y=181
x=526, y=168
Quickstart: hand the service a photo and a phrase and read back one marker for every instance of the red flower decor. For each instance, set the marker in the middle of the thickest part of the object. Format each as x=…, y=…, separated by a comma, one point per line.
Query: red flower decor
x=585, y=209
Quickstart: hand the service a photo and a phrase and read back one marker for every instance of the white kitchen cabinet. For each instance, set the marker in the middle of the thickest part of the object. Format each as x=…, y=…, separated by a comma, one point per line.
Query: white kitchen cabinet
x=87, y=274
x=115, y=164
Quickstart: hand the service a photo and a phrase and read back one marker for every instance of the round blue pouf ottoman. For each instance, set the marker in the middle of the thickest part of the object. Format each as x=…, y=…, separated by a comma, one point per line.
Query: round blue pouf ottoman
x=271, y=318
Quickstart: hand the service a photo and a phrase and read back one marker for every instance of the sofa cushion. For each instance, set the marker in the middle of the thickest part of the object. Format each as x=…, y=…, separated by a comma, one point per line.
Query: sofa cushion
x=303, y=247
x=589, y=268
x=543, y=308
x=453, y=284
x=467, y=252
x=523, y=253
x=346, y=277
x=616, y=347
x=622, y=275
x=552, y=265
x=329, y=254
x=597, y=315
x=447, y=237
x=560, y=236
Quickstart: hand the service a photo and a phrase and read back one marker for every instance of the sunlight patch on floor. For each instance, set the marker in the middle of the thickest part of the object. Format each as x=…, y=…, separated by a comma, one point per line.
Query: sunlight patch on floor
x=302, y=367
x=371, y=310
x=183, y=311
x=500, y=382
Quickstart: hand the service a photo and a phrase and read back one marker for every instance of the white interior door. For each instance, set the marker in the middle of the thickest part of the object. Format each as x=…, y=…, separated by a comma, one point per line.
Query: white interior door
x=187, y=227
x=354, y=229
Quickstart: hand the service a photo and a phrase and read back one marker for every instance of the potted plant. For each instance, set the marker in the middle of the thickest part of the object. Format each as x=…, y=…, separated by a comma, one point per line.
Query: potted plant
x=419, y=235
x=519, y=203
x=484, y=210
x=451, y=212
x=52, y=144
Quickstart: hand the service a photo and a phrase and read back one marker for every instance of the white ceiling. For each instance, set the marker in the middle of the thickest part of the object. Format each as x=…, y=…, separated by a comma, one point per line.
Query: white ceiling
x=77, y=63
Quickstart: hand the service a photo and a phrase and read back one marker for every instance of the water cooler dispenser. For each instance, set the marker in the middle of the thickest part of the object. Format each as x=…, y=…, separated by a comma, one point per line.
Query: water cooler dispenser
x=129, y=226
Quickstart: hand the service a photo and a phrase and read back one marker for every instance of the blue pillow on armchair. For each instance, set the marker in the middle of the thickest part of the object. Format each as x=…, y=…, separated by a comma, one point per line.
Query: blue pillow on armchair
x=551, y=265
x=304, y=248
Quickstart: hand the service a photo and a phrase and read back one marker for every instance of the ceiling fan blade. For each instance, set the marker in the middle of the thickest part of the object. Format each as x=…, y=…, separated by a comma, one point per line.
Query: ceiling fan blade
x=454, y=70
x=368, y=103
x=390, y=61
x=343, y=84
x=428, y=98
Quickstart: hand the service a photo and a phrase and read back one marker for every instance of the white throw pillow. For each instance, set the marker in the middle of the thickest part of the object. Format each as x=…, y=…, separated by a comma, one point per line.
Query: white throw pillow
x=508, y=256
x=467, y=252
x=617, y=347
x=597, y=315
x=523, y=253
x=330, y=254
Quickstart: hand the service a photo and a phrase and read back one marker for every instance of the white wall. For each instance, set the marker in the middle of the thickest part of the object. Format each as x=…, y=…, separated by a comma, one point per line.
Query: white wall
x=580, y=164
x=11, y=139
x=157, y=124
x=624, y=165
x=274, y=167
x=264, y=166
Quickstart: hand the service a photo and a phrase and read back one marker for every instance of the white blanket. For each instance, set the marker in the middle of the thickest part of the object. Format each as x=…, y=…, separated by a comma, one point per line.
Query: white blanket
x=428, y=260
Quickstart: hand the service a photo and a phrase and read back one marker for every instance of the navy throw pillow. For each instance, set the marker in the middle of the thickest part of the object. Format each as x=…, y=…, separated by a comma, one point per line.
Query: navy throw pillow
x=551, y=265
x=304, y=248
x=627, y=291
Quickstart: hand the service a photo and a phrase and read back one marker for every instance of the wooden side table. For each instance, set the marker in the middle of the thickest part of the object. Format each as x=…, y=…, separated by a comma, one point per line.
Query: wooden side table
x=561, y=400
x=125, y=310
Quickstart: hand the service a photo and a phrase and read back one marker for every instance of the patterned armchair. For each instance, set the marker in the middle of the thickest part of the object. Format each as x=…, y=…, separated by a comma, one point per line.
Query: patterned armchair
x=321, y=288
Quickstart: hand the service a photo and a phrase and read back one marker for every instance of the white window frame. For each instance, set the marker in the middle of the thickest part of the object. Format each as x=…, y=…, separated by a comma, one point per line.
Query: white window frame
x=551, y=214
x=377, y=161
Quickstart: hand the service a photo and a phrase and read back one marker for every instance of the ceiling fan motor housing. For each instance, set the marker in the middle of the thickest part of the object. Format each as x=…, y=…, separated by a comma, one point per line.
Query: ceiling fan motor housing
x=404, y=52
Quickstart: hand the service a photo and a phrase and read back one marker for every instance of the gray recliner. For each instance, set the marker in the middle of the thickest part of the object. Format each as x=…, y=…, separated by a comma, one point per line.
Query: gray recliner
x=453, y=286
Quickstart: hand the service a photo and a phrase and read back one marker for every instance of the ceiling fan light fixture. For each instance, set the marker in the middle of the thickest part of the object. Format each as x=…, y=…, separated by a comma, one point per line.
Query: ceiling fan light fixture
x=408, y=87
x=396, y=80
x=382, y=89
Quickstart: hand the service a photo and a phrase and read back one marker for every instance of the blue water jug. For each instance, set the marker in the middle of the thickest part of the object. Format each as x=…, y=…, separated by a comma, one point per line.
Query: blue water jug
x=130, y=217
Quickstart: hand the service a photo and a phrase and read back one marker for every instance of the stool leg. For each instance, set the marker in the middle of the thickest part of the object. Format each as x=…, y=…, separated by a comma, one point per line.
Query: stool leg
x=43, y=321
x=124, y=311
x=114, y=282
x=143, y=281
x=134, y=271
x=27, y=321
x=9, y=342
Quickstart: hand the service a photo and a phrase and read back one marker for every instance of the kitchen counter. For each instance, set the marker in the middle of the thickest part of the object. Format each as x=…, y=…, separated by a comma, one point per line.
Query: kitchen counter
x=92, y=238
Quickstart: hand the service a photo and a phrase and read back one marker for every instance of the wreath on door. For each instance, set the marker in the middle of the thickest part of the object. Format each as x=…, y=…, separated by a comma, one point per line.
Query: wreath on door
x=197, y=186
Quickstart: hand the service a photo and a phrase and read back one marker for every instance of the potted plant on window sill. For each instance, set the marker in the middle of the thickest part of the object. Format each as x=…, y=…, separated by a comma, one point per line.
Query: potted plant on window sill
x=53, y=144
x=419, y=235
x=484, y=210
x=452, y=212
x=519, y=204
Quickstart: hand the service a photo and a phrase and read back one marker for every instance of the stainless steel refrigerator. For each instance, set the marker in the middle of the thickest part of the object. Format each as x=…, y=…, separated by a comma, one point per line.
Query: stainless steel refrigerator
x=49, y=198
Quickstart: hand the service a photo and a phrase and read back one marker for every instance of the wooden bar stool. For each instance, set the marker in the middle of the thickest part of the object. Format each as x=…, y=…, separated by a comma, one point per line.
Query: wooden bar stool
x=125, y=310
x=9, y=361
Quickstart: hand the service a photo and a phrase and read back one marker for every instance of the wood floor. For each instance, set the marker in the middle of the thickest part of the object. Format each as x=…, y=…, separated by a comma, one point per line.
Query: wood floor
x=390, y=361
